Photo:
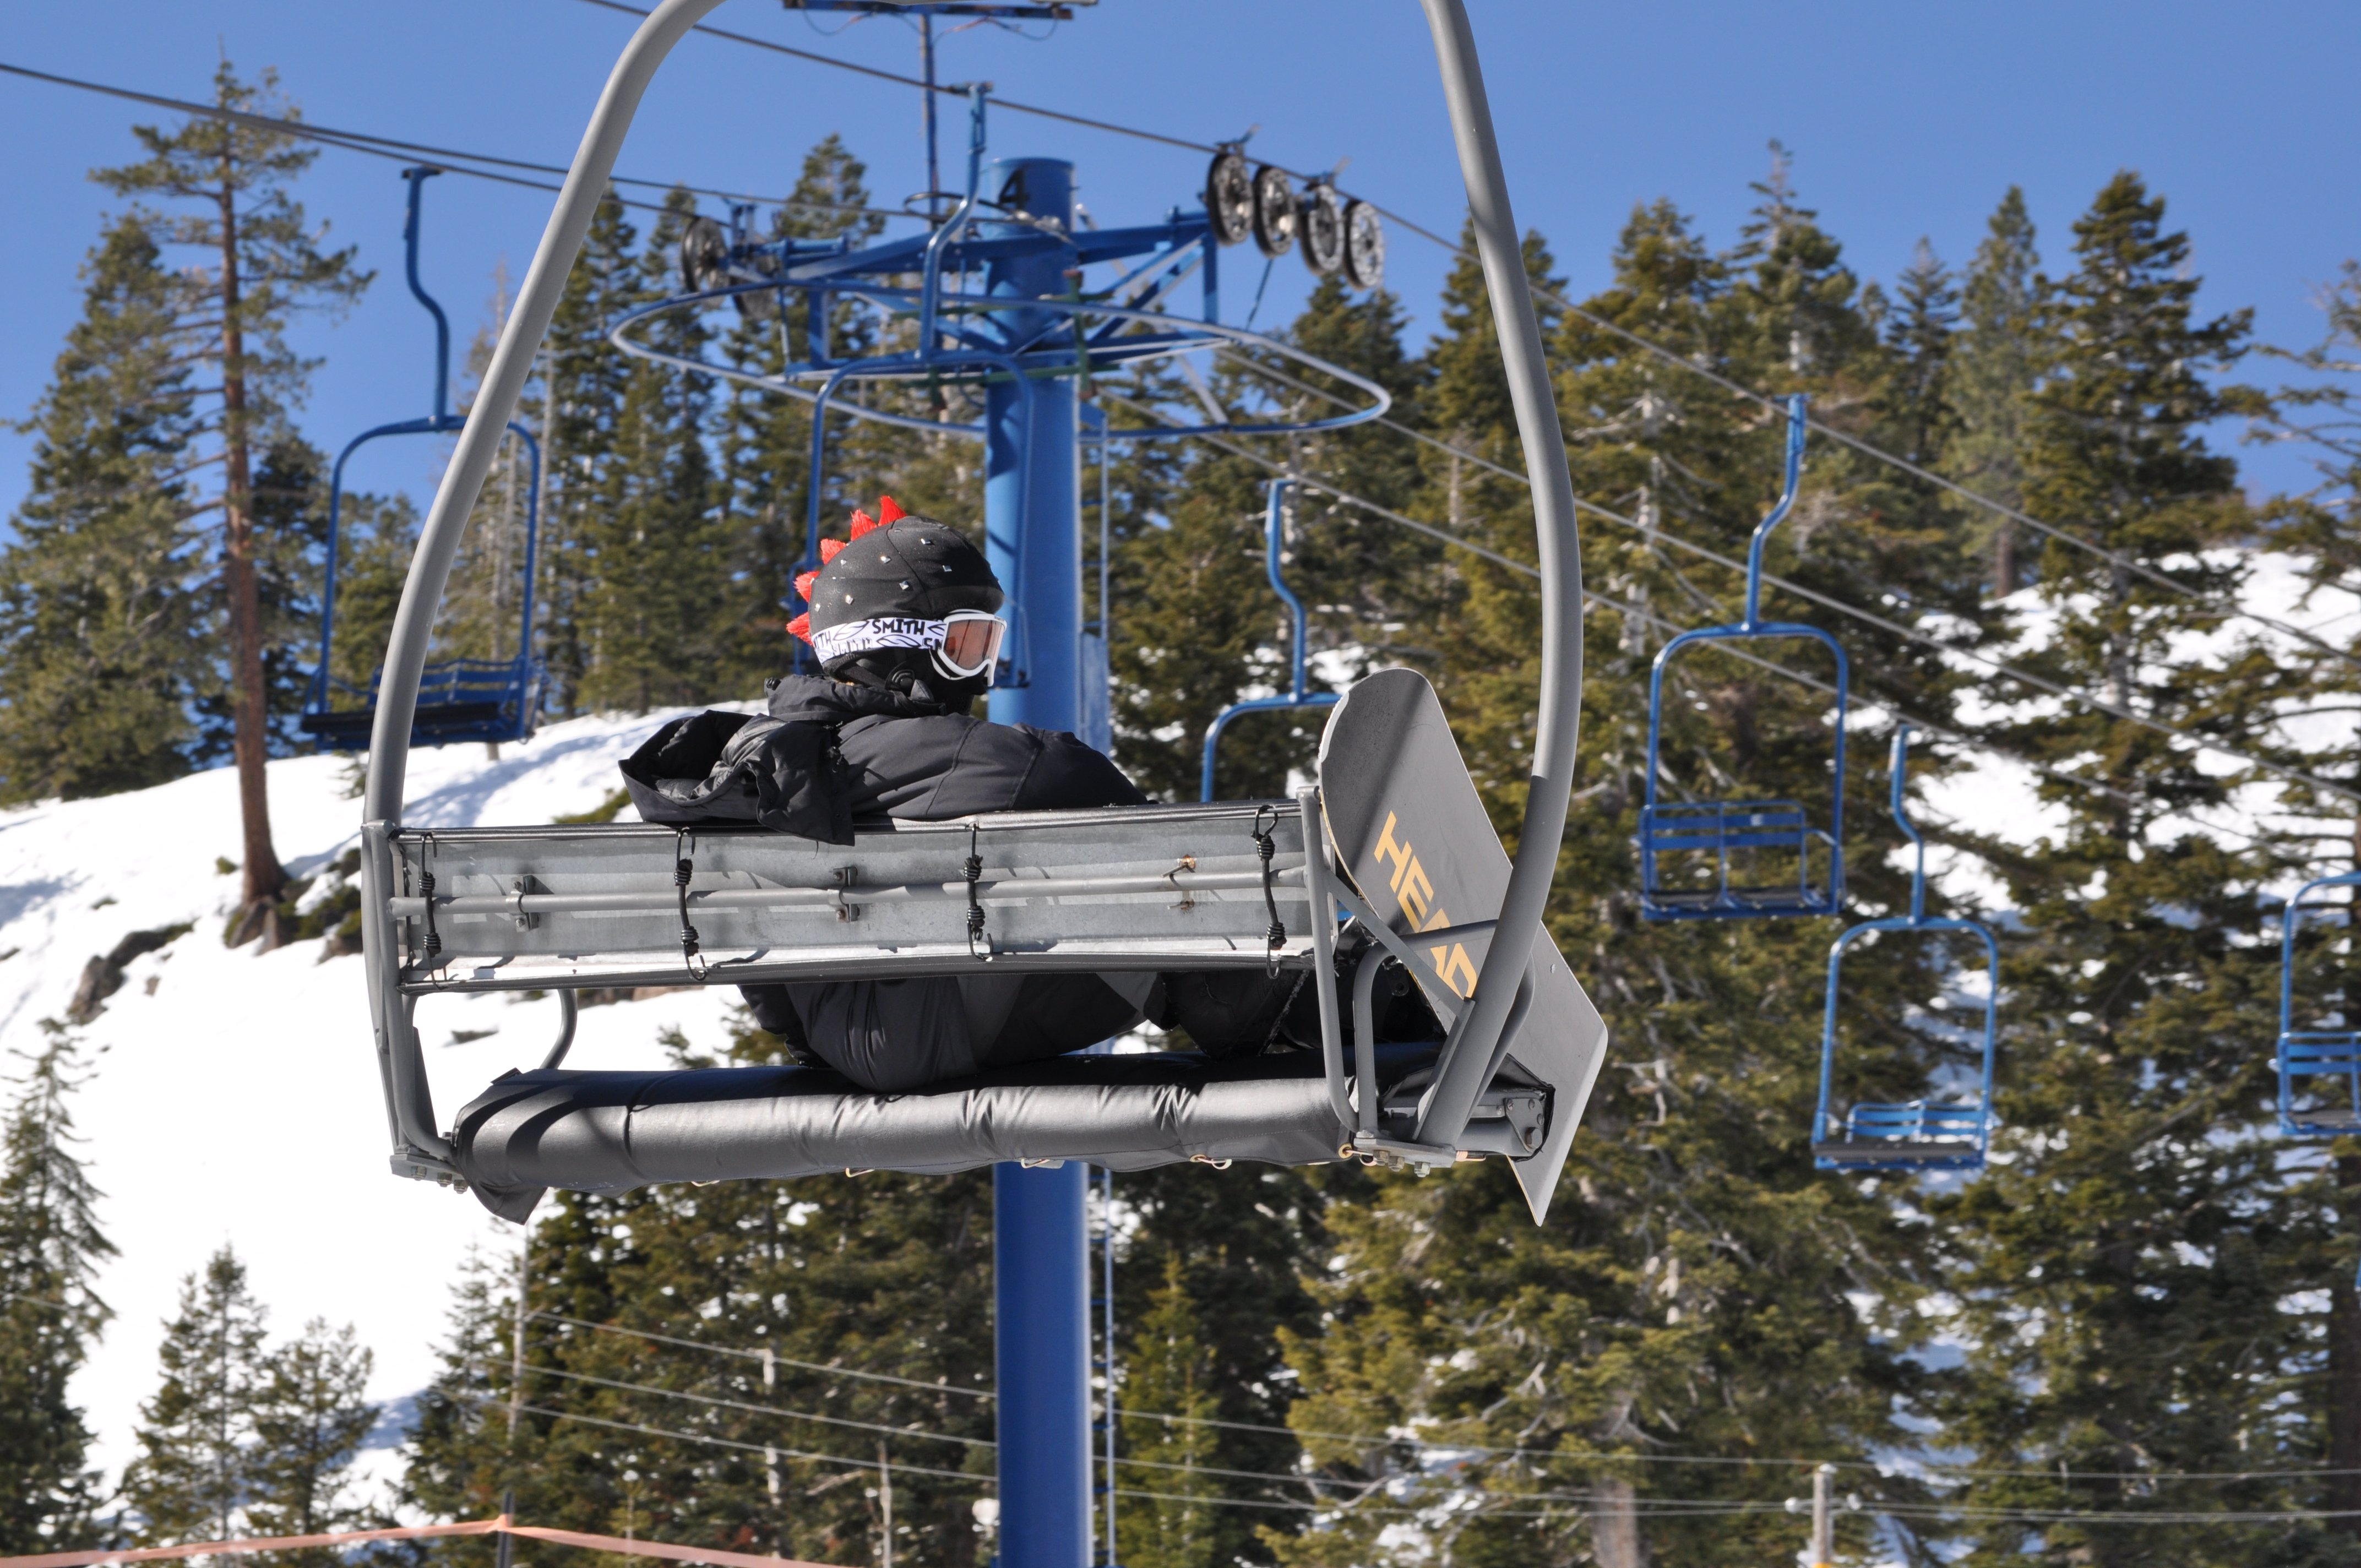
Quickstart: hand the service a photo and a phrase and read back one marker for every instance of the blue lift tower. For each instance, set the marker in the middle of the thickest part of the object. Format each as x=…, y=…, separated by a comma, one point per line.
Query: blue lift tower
x=1002, y=309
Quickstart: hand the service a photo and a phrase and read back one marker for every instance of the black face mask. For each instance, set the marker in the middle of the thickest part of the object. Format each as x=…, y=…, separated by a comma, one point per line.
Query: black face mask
x=911, y=672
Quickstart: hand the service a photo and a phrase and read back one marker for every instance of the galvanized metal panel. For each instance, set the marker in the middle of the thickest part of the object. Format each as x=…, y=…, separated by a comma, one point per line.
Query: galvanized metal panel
x=1149, y=887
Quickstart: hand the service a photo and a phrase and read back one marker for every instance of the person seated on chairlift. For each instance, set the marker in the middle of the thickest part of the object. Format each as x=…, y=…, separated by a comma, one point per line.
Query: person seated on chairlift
x=905, y=621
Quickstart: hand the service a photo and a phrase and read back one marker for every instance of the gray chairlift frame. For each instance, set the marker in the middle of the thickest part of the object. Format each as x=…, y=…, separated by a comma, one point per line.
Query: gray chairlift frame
x=541, y=890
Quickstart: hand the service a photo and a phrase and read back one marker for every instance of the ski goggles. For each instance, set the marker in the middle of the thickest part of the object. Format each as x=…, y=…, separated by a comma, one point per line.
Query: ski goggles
x=971, y=644
x=965, y=643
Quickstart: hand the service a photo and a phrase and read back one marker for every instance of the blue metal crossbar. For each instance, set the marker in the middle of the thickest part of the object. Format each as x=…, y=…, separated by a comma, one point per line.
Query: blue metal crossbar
x=1686, y=830
x=1297, y=697
x=2314, y=1053
x=1914, y=1119
x=458, y=699
x=1915, y=1134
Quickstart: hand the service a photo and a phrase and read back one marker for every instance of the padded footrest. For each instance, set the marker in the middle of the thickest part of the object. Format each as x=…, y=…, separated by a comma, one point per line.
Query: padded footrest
x=607, y=1132
x=1921, y=1154
x=2338, y=1119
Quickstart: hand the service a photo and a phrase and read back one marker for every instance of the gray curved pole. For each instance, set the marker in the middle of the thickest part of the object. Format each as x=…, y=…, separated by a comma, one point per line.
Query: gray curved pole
x=1469, y=1054
x=496, y=402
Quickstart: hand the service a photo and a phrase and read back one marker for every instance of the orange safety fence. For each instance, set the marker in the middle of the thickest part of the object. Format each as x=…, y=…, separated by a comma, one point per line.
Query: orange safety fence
x=500, y=1526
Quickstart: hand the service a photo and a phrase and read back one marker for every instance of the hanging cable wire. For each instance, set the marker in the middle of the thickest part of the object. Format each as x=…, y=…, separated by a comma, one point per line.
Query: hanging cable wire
x=412, y=152
x=866, y=1463
x=998, y=103
x=759, y=1355
x=1325, y=487
x=716, y=1401
x=1869, y=449
x=1933, y=1510
x=386, y=147
x=1948, y=1473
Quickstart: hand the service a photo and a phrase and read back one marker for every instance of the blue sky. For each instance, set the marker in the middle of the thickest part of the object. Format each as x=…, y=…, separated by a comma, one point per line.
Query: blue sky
x=1903, y=120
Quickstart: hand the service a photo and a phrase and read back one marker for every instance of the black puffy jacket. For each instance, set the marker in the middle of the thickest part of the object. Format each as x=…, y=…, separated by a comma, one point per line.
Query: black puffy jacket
x=829, y=757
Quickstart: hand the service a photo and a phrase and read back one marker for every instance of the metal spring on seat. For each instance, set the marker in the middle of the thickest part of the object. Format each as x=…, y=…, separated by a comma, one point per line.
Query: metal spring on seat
x=682, y=869
x=426, y=892
x=1275, y=935
x=973, y=871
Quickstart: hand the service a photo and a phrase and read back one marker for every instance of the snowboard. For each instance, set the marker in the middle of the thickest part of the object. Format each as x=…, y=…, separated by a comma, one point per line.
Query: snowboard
x=1412, y=837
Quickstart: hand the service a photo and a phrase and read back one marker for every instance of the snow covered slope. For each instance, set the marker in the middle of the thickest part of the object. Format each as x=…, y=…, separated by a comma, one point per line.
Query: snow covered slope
x=233, y=1095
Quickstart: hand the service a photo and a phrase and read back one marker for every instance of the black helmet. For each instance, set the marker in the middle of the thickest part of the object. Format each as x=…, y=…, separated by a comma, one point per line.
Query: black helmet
x=893, y=584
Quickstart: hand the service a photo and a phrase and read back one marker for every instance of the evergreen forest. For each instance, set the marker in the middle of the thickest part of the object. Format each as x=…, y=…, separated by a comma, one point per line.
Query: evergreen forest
x=2135, y=1337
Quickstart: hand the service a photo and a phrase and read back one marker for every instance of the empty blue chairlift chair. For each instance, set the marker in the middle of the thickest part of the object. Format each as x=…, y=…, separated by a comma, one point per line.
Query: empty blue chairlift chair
x=2332, y=1052
x=1673, y=836
x=458, y=699
x=1926, y=1133
x=1297, y=697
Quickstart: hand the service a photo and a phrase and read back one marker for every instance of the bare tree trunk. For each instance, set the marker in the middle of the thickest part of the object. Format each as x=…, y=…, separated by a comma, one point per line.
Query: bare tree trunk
x=263, y=876
x=1615, y=1538
x=2003, y=560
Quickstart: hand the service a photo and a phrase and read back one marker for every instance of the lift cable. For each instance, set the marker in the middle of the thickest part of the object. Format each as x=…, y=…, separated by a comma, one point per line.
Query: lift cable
x=773, y=1450
x=1662, y=623
x=917, y=1433
x=1645, y=1505
x=1272, y=373
x=1382, y=1439
x=386, y=147
x=759, y=1355
x=1298, y=1477
x=1669, y=355
x=950, y=91
x=411, y=152
x=1840, y=606
x=1314, y=482
x=911, y=1432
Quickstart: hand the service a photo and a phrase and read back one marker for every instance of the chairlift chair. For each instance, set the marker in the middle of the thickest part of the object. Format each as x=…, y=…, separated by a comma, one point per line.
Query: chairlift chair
x=1387, y=859
x=1673, y=835
x=1297, y=697
x=1913, y=1135
x=2306, y=1054
x=458, y=699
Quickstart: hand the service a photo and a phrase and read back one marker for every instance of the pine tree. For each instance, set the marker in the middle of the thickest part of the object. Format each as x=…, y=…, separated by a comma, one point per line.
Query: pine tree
x=2127, y=1275
x=1241, y=1252
x=230, y=181
x=104, y=640
x=50, y=1251
x=241, y=1438
x=1170, y=1373
x=381, y=534
x=2316, y=529
x=192, y=1477
x=311, y=1415
x=1993, y=373
x=1806, y=317
x=479, y=615
x=1690, y=1294
x=583, y=381
x=1920, y=337
x=1366, y=581
x=886, y=1274
x=650, y=610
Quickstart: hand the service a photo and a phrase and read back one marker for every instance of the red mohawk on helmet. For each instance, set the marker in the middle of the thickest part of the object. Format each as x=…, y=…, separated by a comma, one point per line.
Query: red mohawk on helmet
x=888, y=511
x=915, y=568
